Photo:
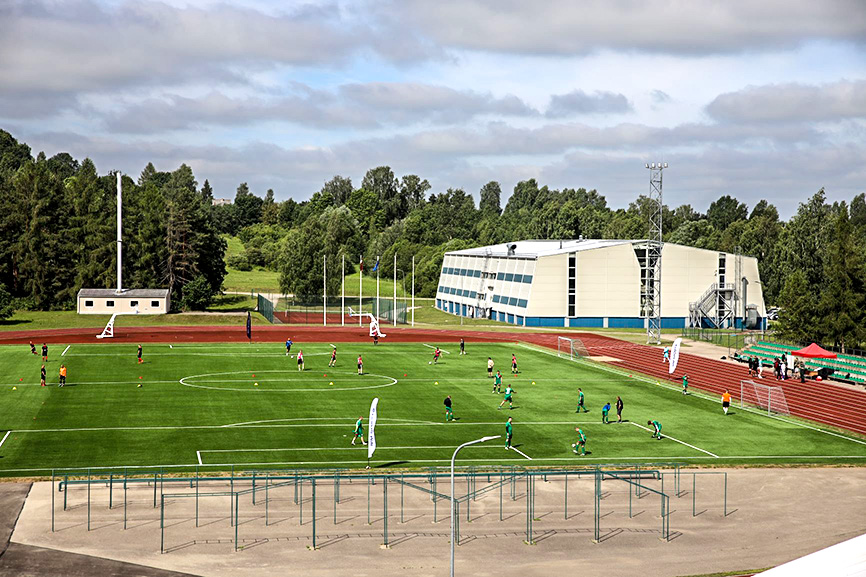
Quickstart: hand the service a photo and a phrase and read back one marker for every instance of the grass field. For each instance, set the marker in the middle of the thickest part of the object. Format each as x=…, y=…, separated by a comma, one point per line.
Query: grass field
x=199, y=404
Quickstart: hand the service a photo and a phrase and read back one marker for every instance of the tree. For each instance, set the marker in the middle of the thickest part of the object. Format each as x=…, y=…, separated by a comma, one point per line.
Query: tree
x=381, y=182
x=797, y=317
x=6, y=307
x=197, y=294
x=491, y=195
x=248, y=207
x=725, y=211
x=270, y=209
x=338, y=190
x=414, y=190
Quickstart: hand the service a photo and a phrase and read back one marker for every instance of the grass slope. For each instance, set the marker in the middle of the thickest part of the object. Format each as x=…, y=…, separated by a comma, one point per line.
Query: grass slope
x=297, y=418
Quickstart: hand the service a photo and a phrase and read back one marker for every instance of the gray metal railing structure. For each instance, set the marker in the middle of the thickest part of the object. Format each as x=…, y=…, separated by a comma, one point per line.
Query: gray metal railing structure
x=263, y=487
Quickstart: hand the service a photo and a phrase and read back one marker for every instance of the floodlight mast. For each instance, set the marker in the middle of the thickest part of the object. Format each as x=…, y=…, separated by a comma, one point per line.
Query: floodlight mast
x=119, y=230
x=652, y=264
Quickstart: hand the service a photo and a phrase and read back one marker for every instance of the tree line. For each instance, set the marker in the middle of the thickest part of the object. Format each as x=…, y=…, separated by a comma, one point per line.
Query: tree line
x=57, y=227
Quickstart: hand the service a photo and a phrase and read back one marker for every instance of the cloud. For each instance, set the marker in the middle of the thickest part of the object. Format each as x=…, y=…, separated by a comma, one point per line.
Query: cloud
x=359, y=105
x=562, y=27
x=579, y=102
x=792, y=102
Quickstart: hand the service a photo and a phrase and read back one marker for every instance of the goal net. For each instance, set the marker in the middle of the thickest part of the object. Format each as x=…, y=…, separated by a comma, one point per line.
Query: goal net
x=764, y=397
x=566, y=347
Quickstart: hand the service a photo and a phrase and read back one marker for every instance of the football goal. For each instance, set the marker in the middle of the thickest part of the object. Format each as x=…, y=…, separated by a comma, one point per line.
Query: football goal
x=764, y=397
x=566, y=347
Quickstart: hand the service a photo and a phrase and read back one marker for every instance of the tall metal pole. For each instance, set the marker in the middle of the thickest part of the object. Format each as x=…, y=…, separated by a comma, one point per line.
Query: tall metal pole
x=119, y=241
x=453, y=458
x=324, y=290
x=652, y=263
x=394, y=311
x=413, y=290
x=361, y=292
x=343, y=294
x=377, y=287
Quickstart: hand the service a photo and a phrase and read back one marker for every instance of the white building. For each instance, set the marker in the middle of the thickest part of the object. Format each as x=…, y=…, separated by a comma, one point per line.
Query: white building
x=598, y=283
x=128, y=302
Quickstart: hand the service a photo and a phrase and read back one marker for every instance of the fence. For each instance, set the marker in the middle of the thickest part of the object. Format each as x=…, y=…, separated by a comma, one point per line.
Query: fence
x=309, y=310
x=256, y=506
x=266, y=308
x=733, y=341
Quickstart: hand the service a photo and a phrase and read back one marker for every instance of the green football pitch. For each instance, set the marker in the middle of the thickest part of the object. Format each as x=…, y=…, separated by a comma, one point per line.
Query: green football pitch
x=199, y=404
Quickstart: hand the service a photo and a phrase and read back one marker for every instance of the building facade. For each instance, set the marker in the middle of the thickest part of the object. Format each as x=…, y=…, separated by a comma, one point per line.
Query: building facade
x=599, y=283
x=129, y=302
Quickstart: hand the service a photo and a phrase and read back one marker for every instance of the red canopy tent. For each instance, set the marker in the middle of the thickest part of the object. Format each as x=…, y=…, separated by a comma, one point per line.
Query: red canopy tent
x=813, y=351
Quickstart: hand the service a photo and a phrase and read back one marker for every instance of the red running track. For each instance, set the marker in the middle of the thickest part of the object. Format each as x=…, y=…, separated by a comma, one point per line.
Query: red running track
x=821, y=402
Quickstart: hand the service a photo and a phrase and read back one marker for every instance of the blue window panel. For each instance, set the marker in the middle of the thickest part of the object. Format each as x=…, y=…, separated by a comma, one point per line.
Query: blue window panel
x=510, y=319
x=518, y=278
x=473, y=294
x=673, y=322
x=522, y=303
x=509, y=276
x=545, y=322
x=625, y=322
x=464, y=272
x=500, y=276
x=518, y=319
x=512, y=301
x=476, y=273
x=496, y=298
x=527, y=278
x=587, y=322
x=464, y=310
x=446, y=270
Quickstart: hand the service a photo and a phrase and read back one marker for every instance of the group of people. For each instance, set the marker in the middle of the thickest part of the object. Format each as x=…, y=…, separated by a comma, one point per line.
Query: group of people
x=42, y=371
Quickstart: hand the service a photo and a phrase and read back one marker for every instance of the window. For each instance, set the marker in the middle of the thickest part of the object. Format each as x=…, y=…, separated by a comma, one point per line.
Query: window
x=512, y=301
x=572, y=284
x=476, y=273
x=521, y=303
x=496, y=298
x=500, y=276
x=133, y=303
x=518, y=278
x=509, y=277
x=88, y=303
x=109, y=303
x=154, y=303
x=527, y=278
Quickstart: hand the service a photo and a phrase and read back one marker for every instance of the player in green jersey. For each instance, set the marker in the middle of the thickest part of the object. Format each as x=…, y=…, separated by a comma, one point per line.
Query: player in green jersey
x=580, y=401
x=508, y=434
x=657, y=429
x=508, y=392
x=359, y=431
x=497, y=382
x=449, y=411
x=685, y=384
x=581, y=442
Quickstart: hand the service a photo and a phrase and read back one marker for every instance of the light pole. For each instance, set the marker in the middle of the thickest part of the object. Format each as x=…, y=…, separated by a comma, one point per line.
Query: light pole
x=453, y=458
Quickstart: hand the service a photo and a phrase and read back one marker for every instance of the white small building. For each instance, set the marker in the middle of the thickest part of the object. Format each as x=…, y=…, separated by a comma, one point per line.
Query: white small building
x=599, y=283
x=128, y=302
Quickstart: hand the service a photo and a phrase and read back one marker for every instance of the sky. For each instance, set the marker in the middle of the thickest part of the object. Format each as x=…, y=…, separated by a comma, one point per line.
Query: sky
x=759, y=100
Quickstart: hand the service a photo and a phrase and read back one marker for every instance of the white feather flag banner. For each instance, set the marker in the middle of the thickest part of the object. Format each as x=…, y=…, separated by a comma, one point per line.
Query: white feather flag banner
x=675, y=356
x=371, y=434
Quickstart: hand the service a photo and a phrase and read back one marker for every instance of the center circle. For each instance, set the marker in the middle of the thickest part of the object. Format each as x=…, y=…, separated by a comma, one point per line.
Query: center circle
x=189, y=381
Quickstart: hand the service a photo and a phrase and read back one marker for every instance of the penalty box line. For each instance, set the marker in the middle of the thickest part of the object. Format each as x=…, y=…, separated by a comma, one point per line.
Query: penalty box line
x=6, y=436
x=678, y=441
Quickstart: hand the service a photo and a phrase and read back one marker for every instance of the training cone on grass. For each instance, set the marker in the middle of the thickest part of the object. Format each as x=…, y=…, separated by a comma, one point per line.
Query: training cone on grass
x=331, y=383
x=436, y=383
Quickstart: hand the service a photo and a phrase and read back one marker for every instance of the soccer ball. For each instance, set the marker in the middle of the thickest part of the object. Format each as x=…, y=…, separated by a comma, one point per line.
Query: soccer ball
x=331, y=383
x=255, y=384
x=436, y=383
x=533, y=382
x=429, y=362
x=139, y=385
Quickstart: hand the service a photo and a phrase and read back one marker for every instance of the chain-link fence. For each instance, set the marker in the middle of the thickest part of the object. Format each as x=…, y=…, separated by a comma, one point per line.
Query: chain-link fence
x=339, y=311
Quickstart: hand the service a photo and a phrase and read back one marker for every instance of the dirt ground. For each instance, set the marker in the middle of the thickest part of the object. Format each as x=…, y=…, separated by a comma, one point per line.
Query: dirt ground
x=774, y=515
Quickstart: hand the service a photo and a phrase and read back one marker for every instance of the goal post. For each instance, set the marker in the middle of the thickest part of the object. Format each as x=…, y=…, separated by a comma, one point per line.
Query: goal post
x=764, y=397
x=108, y=331
x=565, y=348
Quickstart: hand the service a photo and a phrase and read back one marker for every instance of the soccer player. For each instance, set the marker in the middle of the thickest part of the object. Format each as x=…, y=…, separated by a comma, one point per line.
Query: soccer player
x=42, y=376
x=581, y=442
x=44, y=353
x=333, y=361
x=62, y=375
x=685, y=384
x=32, y=348
x=497, y=382
x=462, y=346
x=666, y=355
x=513, y=364
x=726, y=401
x=618, y=410
x=449, y=413
x=604, y=411
x=139, y=355
x=508, y=434
x=301, y=360
x=360, y=365
x=359, y=431
x=436, y=354
x=580, y=400
x=489, y=367
x=375, y=336
x=508, y=392
x=657, y=429
x=288, y=346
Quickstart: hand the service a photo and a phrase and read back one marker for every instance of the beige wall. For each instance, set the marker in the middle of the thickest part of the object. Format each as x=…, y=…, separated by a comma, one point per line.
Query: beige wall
x=608, y=282
x=549, y=287
x=122, y=306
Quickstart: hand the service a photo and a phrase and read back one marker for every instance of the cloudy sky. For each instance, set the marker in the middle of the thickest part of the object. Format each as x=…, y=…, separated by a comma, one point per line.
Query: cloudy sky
x=761, y=99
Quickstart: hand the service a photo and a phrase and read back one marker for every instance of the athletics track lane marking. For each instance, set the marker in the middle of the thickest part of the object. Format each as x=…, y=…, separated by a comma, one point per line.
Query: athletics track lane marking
x=678, y=441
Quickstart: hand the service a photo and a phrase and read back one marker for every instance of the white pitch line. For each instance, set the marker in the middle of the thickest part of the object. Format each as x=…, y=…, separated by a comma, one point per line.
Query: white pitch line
x=64, y=350
x=678, y=441
x=521, y=452
x=171, y=347
x=198, y=454
x=353, y=448
x=5, y=437
x=432, y=347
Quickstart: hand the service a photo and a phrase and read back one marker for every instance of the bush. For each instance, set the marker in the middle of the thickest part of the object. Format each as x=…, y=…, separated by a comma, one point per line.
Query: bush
x=239, y=262
x=197, y=294
x=6, y=308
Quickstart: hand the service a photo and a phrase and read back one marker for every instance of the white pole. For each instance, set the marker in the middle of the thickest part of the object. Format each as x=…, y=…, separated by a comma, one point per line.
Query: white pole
x=413, y=290
x=361, y=291
x=324, y=290
x=394, y=312
x=119, y=241
x=377, y=287
x=343, y=294
x=453, y=458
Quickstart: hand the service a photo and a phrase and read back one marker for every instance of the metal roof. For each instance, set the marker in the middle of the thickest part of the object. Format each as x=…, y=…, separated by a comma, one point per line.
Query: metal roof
x=127, y=293
x=537, y=248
